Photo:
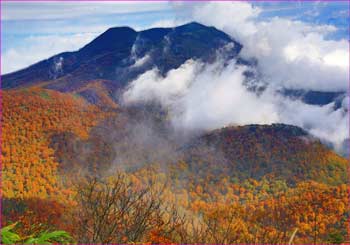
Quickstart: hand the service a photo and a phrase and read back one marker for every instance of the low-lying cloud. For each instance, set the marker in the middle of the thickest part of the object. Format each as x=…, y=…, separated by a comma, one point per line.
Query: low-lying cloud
x=201, y=96
x=204, y=97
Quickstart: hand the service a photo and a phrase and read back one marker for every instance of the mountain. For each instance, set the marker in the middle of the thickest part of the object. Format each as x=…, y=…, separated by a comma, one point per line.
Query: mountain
x=138, y=137
x=63, y=130
x=121, y=54
x=264, y=175
x=255, y=151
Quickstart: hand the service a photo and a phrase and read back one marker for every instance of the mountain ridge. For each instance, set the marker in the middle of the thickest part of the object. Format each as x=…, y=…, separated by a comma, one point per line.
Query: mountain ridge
x=121, y=54
x=111, y=55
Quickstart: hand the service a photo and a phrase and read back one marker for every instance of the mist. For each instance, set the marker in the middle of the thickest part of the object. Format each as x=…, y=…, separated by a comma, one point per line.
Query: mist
x=202, y=97
x=290, y=53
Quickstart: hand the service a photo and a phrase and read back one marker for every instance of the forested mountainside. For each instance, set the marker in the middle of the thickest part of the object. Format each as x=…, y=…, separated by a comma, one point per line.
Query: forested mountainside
x=75, y=158
x=242, y=181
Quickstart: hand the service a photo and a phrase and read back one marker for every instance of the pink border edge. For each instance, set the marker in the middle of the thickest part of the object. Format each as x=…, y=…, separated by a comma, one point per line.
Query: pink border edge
x=1, y=119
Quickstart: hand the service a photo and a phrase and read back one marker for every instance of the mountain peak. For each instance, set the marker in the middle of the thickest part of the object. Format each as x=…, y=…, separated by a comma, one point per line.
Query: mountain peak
x=193, y=24
x=113, y=39
x=111, y=56
x=119, y=29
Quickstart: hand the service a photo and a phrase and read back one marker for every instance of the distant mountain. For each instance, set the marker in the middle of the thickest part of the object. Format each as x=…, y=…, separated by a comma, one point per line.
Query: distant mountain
x=120, y=54
x=316, y=97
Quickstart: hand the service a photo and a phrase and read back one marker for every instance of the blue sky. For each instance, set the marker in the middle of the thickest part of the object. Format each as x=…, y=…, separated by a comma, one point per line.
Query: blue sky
x=32, y=31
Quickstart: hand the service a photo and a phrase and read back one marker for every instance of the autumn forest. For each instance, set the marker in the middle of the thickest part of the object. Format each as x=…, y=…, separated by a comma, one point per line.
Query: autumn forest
x=193, y=198
x=203, y=133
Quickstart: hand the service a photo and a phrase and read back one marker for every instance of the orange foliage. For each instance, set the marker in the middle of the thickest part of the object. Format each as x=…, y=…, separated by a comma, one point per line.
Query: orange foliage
x=30, y=117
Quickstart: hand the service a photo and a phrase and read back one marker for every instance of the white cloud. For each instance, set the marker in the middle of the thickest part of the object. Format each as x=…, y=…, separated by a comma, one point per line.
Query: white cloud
x=216, y=98
x=38, y=48
x=236, y=18
x=151, y=86
x=322, y=121
x=290, y=53
x=337, y=58
x=203, y=96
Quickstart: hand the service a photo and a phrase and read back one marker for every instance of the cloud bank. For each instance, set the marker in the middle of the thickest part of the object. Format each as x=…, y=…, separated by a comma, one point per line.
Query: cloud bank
x=290, y=54
x=201, y=96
